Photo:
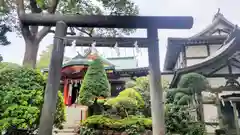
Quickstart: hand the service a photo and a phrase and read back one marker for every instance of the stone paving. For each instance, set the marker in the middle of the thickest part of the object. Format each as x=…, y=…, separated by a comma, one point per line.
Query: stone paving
x=72, y=123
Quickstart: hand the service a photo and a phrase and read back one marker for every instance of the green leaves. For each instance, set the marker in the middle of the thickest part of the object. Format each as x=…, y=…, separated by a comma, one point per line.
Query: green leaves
x=128, y=102
x=95, y=84
x=133, y=125
x=194, y=81
x=178, y=120
x=21, y=99
x=41, y=4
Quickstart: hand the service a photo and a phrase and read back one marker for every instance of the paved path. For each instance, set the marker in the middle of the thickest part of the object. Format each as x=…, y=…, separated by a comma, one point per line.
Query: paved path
x=73, y=120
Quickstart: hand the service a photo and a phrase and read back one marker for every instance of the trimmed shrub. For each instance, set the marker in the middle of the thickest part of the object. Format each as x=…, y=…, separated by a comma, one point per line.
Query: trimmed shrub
x=128, y=102
x=133, y=123
x=95, y=84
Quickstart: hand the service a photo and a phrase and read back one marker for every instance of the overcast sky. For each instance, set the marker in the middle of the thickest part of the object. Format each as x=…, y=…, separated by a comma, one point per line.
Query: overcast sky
x=201, y=10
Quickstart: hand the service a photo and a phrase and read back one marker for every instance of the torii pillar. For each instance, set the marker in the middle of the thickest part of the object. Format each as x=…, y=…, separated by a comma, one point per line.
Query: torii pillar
x=156, y=91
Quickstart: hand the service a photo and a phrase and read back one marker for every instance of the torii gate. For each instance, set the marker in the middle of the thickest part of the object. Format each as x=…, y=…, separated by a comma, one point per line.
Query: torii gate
x=152, y=24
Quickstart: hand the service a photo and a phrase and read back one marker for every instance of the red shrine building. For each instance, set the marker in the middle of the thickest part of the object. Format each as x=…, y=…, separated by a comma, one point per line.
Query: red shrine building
x=73, y=72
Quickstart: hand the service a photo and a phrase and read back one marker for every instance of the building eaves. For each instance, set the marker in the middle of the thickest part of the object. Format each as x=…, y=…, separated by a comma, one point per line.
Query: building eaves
x=229, y=45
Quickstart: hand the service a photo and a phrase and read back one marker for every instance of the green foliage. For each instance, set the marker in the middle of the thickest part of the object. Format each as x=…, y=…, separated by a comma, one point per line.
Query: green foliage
x=143, y=87
x=95, y=84
x=178, y=120
x=132, y=123
x=123, y=106
x=132, y=93
x=21, y=99
x=8, y=65
x=194, y=81
x=4, y=29
x=45, y=57
x=128, y=102
x=23, y=78
x=189, y=85
x=82, y=7
x=188, y=93
x=179, y=96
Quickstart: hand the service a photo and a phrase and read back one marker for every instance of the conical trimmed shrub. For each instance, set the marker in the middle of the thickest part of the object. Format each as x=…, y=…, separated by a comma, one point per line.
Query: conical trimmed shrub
x=95, y=84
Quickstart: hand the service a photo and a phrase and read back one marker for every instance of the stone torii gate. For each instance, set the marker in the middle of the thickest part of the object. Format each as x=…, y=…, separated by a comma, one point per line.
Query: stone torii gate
x=152, y=24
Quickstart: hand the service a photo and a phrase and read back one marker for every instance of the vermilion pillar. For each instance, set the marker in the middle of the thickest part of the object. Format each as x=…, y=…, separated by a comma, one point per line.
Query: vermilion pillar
x=65, y=93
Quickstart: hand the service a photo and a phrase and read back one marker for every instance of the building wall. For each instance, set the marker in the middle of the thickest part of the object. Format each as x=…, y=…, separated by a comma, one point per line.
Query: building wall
x=195, y=54
x=210, y=110
x=179, y=63
x=196, y=51
x=213, y=48
x=167, y=77
x=124, y=62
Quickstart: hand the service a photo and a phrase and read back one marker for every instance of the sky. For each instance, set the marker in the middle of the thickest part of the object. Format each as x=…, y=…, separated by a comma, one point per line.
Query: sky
x=201, y=10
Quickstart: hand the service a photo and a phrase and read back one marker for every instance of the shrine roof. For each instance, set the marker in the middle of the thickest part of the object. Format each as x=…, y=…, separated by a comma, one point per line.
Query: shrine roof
x=175, y=45
x=86, y=59
x=229, y=47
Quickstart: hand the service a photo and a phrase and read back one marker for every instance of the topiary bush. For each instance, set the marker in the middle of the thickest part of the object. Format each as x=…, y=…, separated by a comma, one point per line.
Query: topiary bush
x=21, y=99
x=132, y=93
x=95, y=84
x=178, y=120
x=132, y=125
x=128, y=102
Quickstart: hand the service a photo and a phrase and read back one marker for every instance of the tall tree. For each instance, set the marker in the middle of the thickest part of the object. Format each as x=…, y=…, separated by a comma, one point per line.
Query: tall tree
x=45, y=57
x=95, y=84
x=33, y=35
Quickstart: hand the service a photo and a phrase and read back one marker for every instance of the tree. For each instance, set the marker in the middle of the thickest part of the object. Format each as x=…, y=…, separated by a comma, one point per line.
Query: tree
x=189, y=91
x=95, y=84
x=33, y=35
x=45, y=57
x=143, y=87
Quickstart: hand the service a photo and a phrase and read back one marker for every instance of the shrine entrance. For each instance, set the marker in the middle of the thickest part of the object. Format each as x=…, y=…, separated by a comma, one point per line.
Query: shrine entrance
x=152, y=24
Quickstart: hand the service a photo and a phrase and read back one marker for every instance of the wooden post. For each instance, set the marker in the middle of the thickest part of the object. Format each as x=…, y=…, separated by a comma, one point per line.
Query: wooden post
x=52, y=87
x=156, y=92
x=65, y=93
x=235, y=113
x=220, y=115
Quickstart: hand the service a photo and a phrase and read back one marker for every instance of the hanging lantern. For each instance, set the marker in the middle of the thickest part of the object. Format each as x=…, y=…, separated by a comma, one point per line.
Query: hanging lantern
x=93, y=48
x=73, y=48
x=137, y=47
x=117, y=49
x=73, y=44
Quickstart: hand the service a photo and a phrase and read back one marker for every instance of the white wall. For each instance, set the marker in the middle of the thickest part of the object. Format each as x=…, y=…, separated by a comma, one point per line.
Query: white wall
x=213, y=48
x=179, y=62
x=168, y=77
x=124, y=63
x=196, y=51
x=191, y=62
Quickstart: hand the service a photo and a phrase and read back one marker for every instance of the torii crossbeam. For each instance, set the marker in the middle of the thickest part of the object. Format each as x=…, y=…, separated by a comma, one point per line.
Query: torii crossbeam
x=160, y=22
x=108, y=41
x=152, y=24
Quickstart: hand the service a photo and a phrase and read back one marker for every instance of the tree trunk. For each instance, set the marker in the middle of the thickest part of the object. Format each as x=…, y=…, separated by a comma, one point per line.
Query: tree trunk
x=200, y=108
x=31, y=51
